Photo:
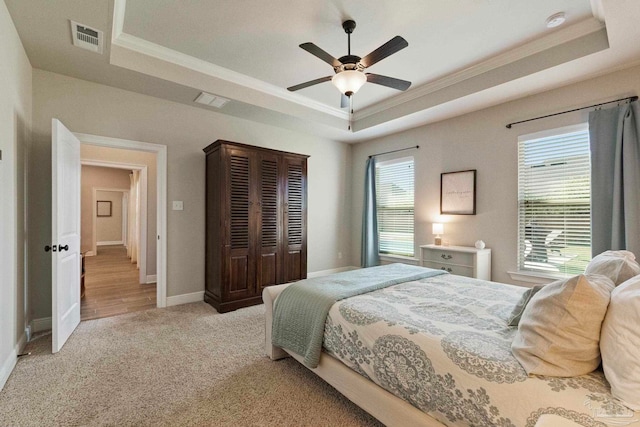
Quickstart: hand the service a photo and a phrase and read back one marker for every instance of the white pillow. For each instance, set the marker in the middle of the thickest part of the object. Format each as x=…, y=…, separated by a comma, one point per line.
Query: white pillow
x=618, y=266
x=559, y=332
x=620, y=343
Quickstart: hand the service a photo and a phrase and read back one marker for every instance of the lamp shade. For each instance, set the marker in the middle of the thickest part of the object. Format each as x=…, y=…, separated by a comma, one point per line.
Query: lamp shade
x=437, y=228
x=349, y=81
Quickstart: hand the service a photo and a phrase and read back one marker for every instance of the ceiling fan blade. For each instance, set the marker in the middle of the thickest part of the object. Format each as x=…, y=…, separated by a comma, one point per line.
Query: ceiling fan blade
x=344, y=101
x=316, y=51
x=309, y=83
x=389, y=48
x=388, y=81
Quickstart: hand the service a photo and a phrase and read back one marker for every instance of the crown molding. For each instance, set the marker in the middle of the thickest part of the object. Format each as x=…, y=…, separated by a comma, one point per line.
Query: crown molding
x=549, y=41
x=119, y=8
x=136, y=44
x=597, y=10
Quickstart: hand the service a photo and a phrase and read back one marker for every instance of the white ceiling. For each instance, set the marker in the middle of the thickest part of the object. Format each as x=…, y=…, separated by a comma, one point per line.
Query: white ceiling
x=463, y=55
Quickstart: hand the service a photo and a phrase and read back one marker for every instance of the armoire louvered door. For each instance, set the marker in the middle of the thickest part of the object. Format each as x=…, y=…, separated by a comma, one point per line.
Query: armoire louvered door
x=295, y=219
x=256, y=222
x=238, y=254
x=269, y=251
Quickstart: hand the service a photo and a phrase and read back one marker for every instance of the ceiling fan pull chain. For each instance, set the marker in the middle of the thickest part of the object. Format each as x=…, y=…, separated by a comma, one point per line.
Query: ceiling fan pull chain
x=350, y=112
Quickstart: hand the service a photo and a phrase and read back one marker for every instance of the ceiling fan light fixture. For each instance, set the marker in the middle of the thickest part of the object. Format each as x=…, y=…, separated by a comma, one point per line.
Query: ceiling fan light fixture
x=349, y=82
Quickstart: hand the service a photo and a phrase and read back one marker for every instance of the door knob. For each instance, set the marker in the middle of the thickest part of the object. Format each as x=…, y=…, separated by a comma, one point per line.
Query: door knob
x=57, y=248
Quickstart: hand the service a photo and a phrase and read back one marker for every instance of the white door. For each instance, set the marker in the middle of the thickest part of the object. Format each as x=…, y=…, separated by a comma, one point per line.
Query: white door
x=65, y=244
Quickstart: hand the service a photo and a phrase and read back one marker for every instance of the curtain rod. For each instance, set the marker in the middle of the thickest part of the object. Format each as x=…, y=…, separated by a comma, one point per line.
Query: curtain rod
x=630, y=99
x=394, y=151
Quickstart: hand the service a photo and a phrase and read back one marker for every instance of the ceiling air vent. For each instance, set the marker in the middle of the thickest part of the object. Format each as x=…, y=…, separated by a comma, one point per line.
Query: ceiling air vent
x=86, y=37
x=211, y=100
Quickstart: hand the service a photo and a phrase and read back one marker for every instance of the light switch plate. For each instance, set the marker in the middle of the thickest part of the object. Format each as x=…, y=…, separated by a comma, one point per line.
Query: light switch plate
x=178, y=205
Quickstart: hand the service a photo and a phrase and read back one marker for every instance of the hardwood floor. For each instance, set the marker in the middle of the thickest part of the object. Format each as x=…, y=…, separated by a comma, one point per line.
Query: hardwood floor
x=112, y=285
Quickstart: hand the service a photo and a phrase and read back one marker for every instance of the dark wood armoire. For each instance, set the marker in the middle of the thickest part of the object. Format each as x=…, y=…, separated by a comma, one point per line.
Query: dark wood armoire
x=256, y=222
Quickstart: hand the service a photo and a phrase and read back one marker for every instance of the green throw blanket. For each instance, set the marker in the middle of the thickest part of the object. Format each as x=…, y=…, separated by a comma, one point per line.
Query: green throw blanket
x=301, y=309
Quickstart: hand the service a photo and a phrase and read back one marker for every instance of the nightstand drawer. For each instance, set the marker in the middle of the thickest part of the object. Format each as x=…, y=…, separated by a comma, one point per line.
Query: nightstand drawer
x=449, y=257
x=459, y=270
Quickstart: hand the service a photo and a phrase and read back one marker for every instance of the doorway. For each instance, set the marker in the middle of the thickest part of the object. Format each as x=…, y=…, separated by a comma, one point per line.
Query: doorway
x=114, y=276
x=142, y=234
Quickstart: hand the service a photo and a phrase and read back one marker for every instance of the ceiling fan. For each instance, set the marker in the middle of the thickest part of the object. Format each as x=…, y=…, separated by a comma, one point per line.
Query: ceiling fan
x=350, y=69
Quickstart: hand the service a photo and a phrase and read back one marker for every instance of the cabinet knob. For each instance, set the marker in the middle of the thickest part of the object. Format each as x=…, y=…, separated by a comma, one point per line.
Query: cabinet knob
x=446, y=256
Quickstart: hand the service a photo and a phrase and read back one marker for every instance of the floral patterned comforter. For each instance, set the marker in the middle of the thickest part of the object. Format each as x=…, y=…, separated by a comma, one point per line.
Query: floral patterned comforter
x=443, y=345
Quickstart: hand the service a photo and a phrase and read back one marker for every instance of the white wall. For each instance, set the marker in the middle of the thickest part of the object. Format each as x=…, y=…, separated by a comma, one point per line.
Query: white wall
x=15, y=122
x=101, y=110
x=480, y=141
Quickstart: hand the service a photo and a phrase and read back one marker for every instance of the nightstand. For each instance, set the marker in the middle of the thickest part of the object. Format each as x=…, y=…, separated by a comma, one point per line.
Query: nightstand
x=460, y=260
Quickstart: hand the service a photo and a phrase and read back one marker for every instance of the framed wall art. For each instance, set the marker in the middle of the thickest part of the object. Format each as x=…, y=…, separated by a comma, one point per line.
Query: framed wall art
x=104, y=208
x=458, y=193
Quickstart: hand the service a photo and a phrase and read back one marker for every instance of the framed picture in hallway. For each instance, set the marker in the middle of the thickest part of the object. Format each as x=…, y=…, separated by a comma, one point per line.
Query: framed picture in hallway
x=458, y=193
x=104, y=208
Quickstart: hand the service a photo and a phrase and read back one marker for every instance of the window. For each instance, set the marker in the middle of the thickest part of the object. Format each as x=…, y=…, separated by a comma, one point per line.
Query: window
x=394, y=200
x=554, y=201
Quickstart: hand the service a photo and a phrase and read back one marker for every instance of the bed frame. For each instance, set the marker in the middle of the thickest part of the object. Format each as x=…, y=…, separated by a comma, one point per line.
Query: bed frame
x=386, y=407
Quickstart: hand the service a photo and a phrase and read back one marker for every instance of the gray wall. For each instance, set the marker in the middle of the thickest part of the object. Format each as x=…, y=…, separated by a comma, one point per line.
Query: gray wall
x=101, y=110
x=99, y=177
x=15, y=123
x=480, y=141
x=109, y=228
x=94, y=152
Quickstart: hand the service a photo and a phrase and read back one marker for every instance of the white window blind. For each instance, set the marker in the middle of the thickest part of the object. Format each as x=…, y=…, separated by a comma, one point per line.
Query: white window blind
x=394, y=200
x=554, y=198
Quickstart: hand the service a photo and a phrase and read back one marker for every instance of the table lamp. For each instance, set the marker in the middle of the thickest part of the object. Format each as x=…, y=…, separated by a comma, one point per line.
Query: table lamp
x=438, y=229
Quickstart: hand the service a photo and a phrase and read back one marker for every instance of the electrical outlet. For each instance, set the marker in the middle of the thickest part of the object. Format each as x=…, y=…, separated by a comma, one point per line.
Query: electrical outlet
x=178, y=205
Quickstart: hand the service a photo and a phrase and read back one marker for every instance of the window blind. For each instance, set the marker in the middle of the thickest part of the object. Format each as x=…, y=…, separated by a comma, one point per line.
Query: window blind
x=554, y=203
x=395, y=205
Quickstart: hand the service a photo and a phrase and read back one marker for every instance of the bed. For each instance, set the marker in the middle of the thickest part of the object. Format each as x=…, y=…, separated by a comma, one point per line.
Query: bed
x=435, y=351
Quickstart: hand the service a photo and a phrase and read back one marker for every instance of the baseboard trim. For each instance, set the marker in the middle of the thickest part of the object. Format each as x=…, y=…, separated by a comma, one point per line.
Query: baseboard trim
x=89, y=253
x=152, y=278
x=22, y=343
x=39, y=325
x=109, y=243
x=185, y=298
x=7, y=367
x=331, y=271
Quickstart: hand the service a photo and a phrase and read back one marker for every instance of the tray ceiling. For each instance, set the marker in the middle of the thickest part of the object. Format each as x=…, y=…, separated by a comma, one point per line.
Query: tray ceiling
x=462, y=55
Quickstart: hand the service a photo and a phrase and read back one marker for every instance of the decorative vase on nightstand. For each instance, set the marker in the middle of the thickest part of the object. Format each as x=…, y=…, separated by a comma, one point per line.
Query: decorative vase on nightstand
x=479, y=244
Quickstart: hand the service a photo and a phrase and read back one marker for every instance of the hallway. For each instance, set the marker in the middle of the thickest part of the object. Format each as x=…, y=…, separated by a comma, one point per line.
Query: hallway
x=112, y=286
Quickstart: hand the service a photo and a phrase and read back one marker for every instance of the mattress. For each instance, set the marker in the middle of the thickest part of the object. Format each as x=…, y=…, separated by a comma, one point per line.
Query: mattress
x=443, y=345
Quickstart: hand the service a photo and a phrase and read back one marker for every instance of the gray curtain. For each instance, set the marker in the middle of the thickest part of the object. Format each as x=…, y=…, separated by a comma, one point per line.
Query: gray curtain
x=369, y=251
x=615, y=178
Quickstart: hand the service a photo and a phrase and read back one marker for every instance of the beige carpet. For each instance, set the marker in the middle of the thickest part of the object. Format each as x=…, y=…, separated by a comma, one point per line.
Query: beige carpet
x=181, y=366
